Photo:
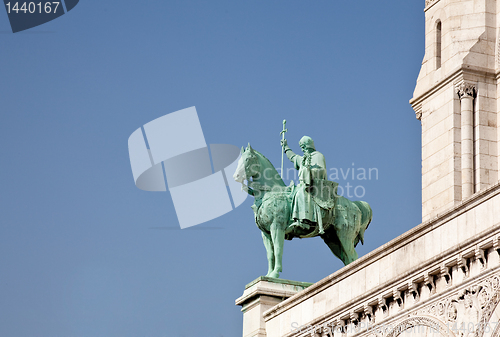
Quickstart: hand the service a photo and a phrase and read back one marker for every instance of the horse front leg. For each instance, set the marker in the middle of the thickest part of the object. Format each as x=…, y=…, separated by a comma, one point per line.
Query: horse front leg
x=268, y=243
x=278, y=237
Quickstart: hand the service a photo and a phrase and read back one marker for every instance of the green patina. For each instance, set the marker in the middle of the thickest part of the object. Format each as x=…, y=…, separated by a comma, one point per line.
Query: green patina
x=312, y=208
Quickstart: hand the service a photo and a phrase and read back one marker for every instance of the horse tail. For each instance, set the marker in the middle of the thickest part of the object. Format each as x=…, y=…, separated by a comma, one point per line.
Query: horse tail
x=366, y=218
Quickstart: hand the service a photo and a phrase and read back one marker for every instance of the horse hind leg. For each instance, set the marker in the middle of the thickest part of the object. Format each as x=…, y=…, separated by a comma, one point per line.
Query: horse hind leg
x=338, y=247
x=335, y=247
x=268, y=243
x=347, y=243
x=351, y=253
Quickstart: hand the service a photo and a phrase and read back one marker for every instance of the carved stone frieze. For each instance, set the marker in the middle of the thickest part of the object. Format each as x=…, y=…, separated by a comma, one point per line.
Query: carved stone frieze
x=413, y=322
x=464, y=312
x=467, y=311
x=489, y=297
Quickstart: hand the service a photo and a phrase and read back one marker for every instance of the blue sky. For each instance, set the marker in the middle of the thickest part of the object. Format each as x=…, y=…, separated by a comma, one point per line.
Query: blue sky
x=81, y=251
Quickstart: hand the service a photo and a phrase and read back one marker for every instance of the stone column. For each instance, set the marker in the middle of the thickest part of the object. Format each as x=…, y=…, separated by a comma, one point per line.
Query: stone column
x=466, y=92
x=261, y=295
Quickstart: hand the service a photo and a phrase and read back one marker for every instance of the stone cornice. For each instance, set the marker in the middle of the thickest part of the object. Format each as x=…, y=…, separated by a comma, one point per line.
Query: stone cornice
x=278, y=280
x=465, y=249
x=454, y=76
x=255, y=289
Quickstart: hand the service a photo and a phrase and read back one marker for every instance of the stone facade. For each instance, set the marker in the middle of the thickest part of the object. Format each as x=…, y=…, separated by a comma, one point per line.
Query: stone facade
x=417, y=279
x=438, y=277
x=456, y=100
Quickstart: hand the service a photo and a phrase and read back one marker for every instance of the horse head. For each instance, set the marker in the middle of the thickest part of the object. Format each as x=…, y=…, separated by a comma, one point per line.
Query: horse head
x=248, y=165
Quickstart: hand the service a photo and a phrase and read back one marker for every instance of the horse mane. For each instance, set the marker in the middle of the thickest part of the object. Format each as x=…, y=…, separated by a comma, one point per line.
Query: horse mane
x=269, y=165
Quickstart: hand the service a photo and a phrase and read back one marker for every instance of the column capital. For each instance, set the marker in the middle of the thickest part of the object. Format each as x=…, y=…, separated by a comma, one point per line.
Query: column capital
x=466, y=90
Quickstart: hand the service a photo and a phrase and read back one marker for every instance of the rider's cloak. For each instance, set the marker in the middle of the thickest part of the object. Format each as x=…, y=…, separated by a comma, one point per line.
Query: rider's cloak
x=303, y=203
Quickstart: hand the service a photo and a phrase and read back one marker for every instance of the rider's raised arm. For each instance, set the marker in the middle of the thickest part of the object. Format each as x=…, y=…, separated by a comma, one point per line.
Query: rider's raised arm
x=293, y=157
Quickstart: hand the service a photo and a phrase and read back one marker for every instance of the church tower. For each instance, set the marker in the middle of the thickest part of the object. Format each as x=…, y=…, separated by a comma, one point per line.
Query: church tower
x=457, y=101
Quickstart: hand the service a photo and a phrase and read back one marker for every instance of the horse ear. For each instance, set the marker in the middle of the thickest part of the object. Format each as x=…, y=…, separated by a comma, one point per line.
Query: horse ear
x=250, y=148
x=242, y=150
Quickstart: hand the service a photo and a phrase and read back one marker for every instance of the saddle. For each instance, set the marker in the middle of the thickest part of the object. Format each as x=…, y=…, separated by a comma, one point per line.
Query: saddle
x=324, y=195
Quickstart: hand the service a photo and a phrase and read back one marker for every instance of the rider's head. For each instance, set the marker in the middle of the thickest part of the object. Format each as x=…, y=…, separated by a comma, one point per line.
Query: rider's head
x=307, y=144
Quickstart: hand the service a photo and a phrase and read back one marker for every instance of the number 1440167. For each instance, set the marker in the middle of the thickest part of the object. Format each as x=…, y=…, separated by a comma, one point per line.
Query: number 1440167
x=32, y=7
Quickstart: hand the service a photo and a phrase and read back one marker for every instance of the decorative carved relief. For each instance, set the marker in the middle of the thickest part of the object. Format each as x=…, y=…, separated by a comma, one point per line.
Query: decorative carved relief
x=451, y=312
x=466, y=90
x=413, y=322
x=489, y=298
x=466, y=312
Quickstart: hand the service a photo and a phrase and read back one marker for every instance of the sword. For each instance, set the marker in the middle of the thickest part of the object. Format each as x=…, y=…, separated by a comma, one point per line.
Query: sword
x=282, y=133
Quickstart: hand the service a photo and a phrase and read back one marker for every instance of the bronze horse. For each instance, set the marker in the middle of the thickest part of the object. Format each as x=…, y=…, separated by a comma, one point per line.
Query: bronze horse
x=344, y=223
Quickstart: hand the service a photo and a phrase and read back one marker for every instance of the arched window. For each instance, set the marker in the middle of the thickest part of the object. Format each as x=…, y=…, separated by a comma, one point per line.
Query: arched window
x=438, y=45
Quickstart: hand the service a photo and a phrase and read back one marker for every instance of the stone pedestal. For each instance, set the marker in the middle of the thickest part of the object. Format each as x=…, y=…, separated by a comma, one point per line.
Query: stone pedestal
x=261, y=295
